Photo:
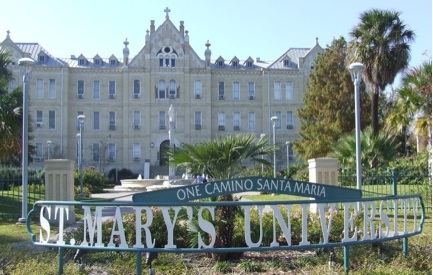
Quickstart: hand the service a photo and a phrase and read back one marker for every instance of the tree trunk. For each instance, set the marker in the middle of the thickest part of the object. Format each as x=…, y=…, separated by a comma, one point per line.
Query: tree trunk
x=375, y=111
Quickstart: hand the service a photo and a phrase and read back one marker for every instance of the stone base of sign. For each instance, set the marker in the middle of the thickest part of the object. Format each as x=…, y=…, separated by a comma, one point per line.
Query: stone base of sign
x=59, y=185
x=324, y=171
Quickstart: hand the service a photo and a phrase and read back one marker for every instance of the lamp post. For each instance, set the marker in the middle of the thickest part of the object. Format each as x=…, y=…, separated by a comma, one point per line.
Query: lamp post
x=171, y=114
x=262, y=136
x=288, y=163
x=356, y=70
x=26, y=65
x=274, y=121
x=48, y=148
x=80, y=119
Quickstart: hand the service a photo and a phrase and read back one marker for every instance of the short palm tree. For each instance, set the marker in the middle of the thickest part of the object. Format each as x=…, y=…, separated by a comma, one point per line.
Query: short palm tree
x=376, y=151
x=222, y=158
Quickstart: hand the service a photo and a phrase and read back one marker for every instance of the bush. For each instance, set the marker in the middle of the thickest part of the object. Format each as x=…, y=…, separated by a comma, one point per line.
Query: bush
x=92, y=180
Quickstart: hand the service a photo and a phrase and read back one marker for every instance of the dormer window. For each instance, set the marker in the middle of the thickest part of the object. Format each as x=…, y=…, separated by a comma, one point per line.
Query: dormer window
x=41, y=58
x=81, y=62
x=220, y=64
x=113, y=62
x=286, y=62
x=235, y=64
x=249, y=64
x=97, y=62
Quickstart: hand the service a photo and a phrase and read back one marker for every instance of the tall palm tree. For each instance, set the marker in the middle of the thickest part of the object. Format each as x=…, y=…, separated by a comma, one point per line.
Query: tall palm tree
x=412, y=104
x=380, y=42
x=222, y=158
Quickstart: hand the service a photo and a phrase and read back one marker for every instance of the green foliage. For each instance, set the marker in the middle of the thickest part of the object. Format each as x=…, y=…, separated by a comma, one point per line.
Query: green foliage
x=93, y=180
x=328, y=110
x=223, y=267
x=380, y=42
x=376, y=151
x=250, y=266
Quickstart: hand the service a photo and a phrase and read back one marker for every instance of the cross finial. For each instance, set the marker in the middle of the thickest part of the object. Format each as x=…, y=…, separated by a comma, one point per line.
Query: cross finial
x=8, y=34
x=167, y=10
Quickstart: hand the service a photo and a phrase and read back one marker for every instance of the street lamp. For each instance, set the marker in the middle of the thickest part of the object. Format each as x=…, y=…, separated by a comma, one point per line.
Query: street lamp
x=274, y=121
x=80, y=119
x=288, y=163
x=356, y=70
x=26, y=65
x=171, y=114
x=262, y=136
x=48, y=148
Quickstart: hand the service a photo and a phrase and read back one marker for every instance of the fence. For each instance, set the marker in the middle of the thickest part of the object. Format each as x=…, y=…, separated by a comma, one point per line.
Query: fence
x=393, y=182
x=11, y=192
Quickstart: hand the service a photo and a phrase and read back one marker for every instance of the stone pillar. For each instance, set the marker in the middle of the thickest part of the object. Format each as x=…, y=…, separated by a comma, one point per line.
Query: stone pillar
x=323, y=171
x=59, y=185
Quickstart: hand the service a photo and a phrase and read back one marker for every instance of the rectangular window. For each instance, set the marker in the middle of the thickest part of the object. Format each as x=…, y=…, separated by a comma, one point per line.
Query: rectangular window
x=136, y=88
x=162, y=119
x=95, y=151
x=161, y=62
x=289, y=90
x=251, y=121
x=197, y=89
x=136, y=119
x=112, y=120
x=96, y=119
x=52, y=88
x=277, y=90
x=289, y=120
x=96, y=89
x=221, y=121
x=161, y=89
x=112, y=151
x=236, y=121
x=236, y=91
x=136, y=151
x=221, y=92
x=39, y=119
x=278, y=123
x=172, y=91
x=197, y=120
x=173, y=62
x=97, y=62
x=51, y=119
x=251, y=90
x=80, y=89
x=112, y=88
x=39, y=88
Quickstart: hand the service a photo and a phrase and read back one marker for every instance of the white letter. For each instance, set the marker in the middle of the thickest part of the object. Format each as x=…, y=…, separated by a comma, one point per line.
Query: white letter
x=305, y=212
x=326, y=229
x=286, y=228
x=206, y=226
x=247, y=210
x=45, y=224
x=120, y=232
x=139, y=226
x=170, y=224
x=98, y=225
x=384, y=218
x=369, y=220
x=348, y=221
x=61, y=221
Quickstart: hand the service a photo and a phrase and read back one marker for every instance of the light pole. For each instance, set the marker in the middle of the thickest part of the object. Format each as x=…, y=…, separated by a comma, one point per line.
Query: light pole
x=48, y=148
x=274, y=121
x=262, y=136
x=356, y=70
x=26, y=65
x=288, y=163
x=171, y=114
x=80, y=119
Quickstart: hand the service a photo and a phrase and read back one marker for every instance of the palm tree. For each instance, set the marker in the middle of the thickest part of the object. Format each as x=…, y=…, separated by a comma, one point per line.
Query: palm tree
x=377, y=150
x=412, y=105
x=222, y=158
x=380, y=42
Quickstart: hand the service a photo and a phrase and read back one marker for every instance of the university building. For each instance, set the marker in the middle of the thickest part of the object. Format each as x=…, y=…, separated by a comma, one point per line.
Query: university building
x=126, y=98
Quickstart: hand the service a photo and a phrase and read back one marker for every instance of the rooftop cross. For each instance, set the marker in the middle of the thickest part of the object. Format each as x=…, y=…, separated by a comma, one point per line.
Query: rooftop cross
x=167, y=10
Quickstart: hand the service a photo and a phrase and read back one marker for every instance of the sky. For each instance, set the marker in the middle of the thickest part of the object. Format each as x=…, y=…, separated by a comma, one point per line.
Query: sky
x=256, y=28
